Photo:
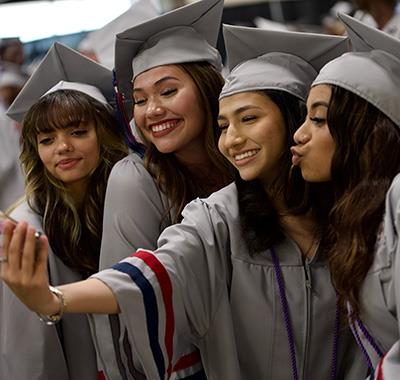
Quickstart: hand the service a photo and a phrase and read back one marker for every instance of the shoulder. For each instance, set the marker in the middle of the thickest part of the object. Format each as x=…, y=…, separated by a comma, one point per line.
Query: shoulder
x=130, y=163
x=393, y=194
x=223, y=202
x=24, y=213
x=225, y=196
x=130, y=170
x=392, y=212
x=133, y=193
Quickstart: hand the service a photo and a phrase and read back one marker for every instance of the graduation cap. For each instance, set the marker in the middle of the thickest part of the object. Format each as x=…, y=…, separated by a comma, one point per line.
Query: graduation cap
x=371, y=70
x=262, y=59
x=186, y=34
x=102, y=41
x=365, y=38
x=63, y=68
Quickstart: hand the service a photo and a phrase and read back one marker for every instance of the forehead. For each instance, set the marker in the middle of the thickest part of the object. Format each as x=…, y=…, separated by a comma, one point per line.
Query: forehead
x=319, y=93
x=244, y=99
x=151, y=77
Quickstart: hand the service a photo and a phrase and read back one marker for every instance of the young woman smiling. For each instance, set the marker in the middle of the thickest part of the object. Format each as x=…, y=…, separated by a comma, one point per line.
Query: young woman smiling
x=174, y=81
x=70, y=143
x=169, y=67
x=240, y=277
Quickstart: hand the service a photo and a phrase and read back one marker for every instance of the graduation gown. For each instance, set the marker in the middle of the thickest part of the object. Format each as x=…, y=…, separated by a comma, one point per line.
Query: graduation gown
x=380, y=292
x=202, y=288
x=133, y=211
x=31, y=350
x=133, y=218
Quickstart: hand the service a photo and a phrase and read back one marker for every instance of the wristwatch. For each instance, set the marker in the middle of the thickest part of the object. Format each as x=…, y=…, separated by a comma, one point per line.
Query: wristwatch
x=52, y=319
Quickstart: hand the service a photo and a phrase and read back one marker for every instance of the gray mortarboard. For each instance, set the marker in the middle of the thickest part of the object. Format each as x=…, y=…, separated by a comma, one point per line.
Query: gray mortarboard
x=262, y=59
x=186, y=34
x=371, y=70
x=63, y=68
x=102, y=41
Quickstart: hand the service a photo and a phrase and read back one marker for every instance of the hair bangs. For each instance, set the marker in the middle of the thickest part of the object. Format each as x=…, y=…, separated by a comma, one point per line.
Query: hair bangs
x=59, y=110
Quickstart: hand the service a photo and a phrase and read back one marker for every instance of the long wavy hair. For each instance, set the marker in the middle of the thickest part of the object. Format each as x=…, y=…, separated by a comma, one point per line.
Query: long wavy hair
x=175, y=180
x=260, y=221
x=74, y=234
x=366, y=160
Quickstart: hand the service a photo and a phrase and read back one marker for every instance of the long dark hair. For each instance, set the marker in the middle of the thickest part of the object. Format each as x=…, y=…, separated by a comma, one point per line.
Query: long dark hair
x=178, y=183
x=74, y=235
x=260, y=221
x=366, y=160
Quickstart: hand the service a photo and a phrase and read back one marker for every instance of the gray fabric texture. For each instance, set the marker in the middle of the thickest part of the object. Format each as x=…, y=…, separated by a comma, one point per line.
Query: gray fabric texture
x=31, y=350
x=226, y=302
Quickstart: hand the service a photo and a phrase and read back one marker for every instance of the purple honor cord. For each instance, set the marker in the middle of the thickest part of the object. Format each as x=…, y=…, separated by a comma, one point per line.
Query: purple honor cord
x=288, y=325
x=370, y=340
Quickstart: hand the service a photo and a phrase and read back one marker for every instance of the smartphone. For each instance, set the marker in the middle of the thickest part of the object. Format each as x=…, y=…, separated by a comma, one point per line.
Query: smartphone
x=3, y=217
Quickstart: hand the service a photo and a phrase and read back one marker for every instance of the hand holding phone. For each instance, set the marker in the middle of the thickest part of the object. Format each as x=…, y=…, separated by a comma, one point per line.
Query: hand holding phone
x=4, y=216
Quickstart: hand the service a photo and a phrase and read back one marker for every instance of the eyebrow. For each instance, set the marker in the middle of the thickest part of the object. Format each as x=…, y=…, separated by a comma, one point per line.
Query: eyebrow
x=240, y=110
x=320, y=103
x=70, y=125
x=157, y=83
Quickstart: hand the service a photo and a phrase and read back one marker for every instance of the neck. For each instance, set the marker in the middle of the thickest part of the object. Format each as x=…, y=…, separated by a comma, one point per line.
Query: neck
x=302, y=229
x=196, y=158
x=77, y=193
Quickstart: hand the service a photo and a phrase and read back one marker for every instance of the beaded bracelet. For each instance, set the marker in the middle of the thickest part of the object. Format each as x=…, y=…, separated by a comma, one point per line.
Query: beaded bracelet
x=51, y=320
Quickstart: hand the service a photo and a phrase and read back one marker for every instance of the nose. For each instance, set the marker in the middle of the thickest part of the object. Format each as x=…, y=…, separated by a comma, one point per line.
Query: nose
x=301, y=136
x=64, y=146
x=154, y=109
x=232, y=137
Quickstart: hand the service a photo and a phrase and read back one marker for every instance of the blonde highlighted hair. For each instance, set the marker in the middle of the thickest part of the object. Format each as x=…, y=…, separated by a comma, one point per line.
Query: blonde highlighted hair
x=74, y=234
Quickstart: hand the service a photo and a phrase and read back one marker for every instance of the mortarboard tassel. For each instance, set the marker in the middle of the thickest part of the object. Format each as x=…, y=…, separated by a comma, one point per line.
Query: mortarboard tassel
x=130, y=139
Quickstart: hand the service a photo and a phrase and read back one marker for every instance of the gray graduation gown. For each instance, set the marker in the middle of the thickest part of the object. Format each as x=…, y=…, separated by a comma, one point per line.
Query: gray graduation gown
x=380, y=293
x=133, y=218
x=133, y=210
x=31, y=350
x=204, y=289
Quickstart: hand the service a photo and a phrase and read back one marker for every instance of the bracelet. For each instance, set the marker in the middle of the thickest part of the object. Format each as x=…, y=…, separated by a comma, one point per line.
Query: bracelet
x=51, y=320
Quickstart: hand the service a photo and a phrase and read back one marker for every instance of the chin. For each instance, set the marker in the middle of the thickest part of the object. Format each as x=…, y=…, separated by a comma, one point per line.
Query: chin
x=308, y=177
x=166, y=149
x=247, y=176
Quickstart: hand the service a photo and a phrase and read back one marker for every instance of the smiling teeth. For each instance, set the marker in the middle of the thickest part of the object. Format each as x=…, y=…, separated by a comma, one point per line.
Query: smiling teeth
x=162, y=127
x=244, y=155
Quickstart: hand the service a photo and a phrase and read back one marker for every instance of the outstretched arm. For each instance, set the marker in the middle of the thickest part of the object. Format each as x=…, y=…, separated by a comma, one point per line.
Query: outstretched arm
x=25, y=272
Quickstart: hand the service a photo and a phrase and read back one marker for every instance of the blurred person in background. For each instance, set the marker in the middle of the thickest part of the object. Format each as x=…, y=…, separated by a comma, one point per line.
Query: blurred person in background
x=381, y=14
x=99, y=44
x=384, y=13
x=11, y=179
x=11, y=50
x=12, y=56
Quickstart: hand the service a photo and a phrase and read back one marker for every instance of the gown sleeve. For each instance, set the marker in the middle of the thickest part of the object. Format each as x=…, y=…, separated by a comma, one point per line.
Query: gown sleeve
x=169, y=298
